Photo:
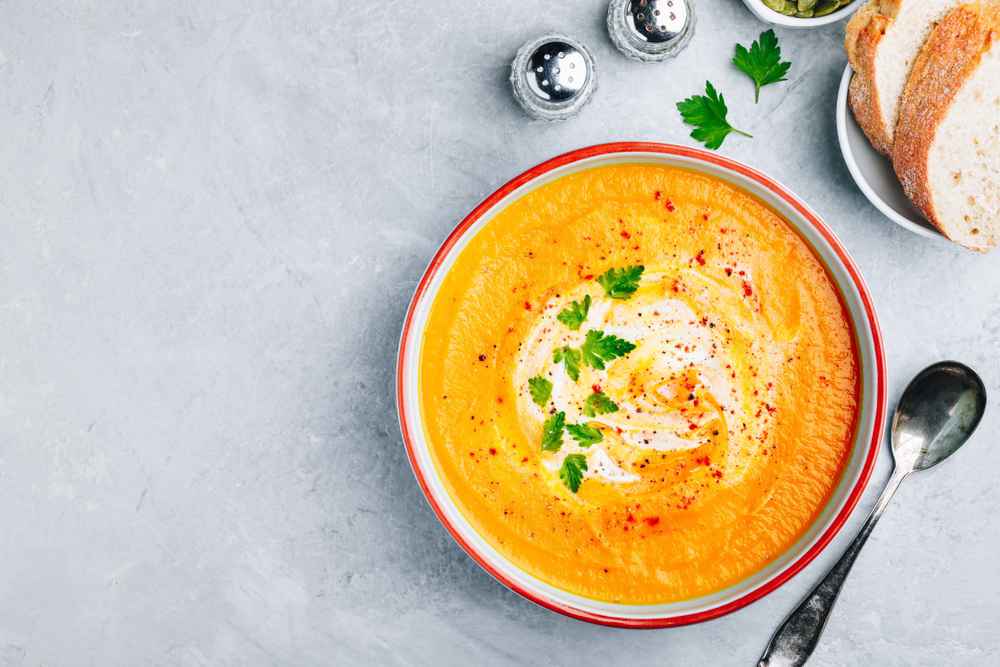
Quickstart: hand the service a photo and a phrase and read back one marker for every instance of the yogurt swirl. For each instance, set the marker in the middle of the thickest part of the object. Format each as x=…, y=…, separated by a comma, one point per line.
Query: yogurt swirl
x=692, y=379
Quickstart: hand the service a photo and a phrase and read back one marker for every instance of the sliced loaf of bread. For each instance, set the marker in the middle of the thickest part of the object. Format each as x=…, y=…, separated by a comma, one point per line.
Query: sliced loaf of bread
x=947, y=147
x=883, y=38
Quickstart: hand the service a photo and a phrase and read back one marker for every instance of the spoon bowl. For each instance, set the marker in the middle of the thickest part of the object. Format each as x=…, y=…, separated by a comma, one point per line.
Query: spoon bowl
x=937, y=413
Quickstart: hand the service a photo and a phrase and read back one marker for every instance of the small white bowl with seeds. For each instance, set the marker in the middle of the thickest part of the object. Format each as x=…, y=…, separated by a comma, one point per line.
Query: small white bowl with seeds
x=802, y=13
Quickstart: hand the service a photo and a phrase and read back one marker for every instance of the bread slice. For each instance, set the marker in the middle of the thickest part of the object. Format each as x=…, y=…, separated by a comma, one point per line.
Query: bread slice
x=947, y=148
x=883, y=38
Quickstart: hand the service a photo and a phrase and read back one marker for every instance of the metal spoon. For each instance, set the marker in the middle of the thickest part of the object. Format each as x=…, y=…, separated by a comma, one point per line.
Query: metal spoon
x=936, y=415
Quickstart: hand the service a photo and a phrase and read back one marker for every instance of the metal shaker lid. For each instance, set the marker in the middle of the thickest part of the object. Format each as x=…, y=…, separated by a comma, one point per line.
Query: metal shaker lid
x=553, y=77
x=650, y=30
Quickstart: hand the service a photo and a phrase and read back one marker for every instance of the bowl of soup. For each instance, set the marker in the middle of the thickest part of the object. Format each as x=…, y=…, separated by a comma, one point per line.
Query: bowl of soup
x=642, y=385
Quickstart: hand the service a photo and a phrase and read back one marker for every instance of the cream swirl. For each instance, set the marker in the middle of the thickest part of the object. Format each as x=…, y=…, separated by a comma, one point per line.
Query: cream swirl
x=693, y=376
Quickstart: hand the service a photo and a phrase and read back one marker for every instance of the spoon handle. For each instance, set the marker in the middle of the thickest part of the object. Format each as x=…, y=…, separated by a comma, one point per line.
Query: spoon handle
x=796, y=639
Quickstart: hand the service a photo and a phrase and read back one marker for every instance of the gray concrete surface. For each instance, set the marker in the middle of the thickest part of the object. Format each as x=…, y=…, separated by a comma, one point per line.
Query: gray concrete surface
x=212, y=215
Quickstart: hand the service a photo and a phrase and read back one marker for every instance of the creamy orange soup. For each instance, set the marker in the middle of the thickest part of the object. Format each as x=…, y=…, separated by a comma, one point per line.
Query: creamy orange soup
x=651, y=433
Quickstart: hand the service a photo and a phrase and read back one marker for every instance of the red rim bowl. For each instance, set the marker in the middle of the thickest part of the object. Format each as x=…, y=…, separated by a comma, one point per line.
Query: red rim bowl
x=870, y=419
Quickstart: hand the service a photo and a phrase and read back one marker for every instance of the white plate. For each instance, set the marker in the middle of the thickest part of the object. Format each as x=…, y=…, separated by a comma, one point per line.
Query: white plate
x=873, y=172
x=768, y=15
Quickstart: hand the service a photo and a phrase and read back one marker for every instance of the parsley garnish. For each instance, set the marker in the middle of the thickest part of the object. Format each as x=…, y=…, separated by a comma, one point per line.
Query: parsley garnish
x=570, y=358
x=762, y=62
x=583, y=434
x=571, y=471
x=621, y=283
x=552, y=431
x=598, y=348
x=707, y=113
x=598, y=403
x=575, y=314
x=541, y=390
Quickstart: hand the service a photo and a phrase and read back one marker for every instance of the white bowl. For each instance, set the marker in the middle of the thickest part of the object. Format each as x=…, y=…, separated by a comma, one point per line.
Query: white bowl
x=768, y=15
x=873, y=172
x=870, y=417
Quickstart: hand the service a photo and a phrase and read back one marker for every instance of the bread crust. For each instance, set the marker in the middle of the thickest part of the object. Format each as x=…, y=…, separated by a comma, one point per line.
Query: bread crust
x=948, y=58
x=865, y=31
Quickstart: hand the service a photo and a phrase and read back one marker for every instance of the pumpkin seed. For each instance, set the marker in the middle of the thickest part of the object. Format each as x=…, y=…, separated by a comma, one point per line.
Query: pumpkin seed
x=805, y=9
x=776, y=5
x=824, y=7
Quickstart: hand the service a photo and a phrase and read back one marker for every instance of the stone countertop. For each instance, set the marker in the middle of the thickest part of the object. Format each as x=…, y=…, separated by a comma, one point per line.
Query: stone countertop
x=214, y=214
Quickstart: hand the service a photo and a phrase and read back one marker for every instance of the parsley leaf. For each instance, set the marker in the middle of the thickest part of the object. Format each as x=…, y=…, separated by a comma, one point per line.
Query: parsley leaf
x=708, y=116
x=598, y=348
x=570, y=358
x=621, y=283
x=762, y=62
x=541, y=390
x=575, y=314
x=552, y=431
x=598, y=403
x=583, y=434
x=571, y=471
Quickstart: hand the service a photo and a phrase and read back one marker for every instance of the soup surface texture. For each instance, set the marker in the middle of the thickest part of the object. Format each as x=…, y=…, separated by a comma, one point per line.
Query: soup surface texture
x=639, y=384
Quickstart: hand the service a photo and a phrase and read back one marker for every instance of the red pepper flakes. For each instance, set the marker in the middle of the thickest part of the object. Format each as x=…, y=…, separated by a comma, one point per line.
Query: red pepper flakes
x=630, y=518
x=596, y=388
x=527, y=306
x=493, y=451
x=652, y=520
x=700, y=257
x=524, y=459
x=669, y=205
x=657, y=195
x=692, y=427
x=625, y=234
x=589, y=276
x=704, y=216
x=717, y=474
x=747, y=289
x=729, y=271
